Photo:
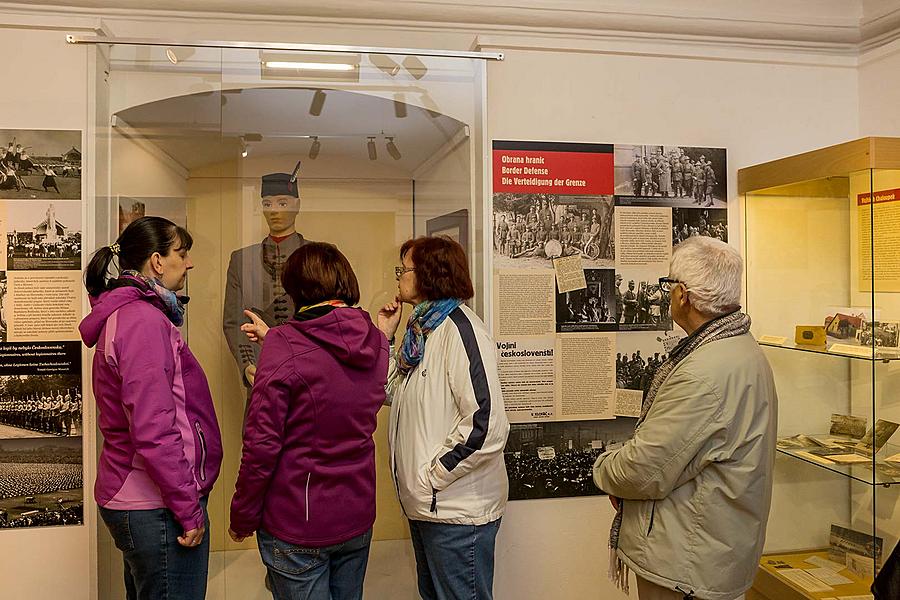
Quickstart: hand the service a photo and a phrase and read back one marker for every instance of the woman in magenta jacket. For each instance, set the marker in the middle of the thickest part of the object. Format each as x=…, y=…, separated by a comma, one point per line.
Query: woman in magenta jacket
x=307, y=479
x=161, y=445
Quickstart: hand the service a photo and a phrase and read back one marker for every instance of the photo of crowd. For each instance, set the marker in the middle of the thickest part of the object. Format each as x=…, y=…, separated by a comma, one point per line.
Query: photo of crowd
x=40, y=164
x=43, y=236
x=41, y=482
x=530, y=230
x=590, y=309
x=690, y=222
x=671, y=175
x=555, y=459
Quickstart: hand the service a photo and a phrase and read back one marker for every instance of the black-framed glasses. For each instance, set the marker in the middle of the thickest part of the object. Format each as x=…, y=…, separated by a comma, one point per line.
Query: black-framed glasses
x=666, y=283
x=399, y=271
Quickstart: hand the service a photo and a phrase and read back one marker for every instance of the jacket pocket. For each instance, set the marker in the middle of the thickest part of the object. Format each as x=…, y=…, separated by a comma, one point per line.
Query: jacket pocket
x=202, y=466
x=652, y=515
x=295, y=560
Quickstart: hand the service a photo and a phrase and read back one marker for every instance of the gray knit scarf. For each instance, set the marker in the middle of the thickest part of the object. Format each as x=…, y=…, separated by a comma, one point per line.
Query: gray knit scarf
x=720, y=328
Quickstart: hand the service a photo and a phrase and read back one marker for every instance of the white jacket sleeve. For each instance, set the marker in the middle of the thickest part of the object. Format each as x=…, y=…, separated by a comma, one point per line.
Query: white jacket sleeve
x=674, y=437
x=471, y=363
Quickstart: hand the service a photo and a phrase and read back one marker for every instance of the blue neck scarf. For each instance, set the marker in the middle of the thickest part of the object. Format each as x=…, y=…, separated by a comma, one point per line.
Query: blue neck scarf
x=425, y=318
x=174, y=304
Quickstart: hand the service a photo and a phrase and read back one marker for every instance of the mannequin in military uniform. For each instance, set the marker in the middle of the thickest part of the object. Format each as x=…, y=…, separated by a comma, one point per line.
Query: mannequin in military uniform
x=254, y=272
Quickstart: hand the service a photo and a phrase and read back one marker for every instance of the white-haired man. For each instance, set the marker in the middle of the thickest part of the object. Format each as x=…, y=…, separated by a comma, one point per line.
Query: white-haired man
x=693, y=487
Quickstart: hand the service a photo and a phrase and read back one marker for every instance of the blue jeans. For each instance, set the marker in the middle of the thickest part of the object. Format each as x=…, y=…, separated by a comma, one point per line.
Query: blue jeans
x=330, y=573
x=157, y=567
x=454, y=562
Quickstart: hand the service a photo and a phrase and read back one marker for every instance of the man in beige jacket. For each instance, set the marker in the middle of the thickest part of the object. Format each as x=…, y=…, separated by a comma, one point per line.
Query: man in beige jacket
x=694, y=485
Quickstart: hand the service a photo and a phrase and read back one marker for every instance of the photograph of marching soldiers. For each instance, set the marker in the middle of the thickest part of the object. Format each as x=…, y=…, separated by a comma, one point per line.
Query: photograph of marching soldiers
x=592, y=308
x=40, y=164
x=638, y=355
x=555, y=459
x=691, y=222
x=43, y=235
x=671, y=176
x=530, y=230
x=41, y=483
x=40, y=406
x=644, y=302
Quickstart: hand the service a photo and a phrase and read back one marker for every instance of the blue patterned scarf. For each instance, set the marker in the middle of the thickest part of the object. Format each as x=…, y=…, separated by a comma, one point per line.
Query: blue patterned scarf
x=174, y=304
x=425, y=318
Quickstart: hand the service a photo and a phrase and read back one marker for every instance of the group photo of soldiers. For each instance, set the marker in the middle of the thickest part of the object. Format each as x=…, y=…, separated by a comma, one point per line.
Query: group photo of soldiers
x=592, y=308
x=675, y=175
x=555, y=459
x=41, y=482
x=533, y=229
x=43, y=235
x=691, y=222
x=40, y=164
x=645, y=305
x=634, y=372
x=45, y=404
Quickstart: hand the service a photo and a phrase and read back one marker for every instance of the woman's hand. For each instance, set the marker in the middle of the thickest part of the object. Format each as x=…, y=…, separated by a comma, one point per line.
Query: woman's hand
x=193, y=537
x=388, y=318
x=236, y=536
x=257, y=329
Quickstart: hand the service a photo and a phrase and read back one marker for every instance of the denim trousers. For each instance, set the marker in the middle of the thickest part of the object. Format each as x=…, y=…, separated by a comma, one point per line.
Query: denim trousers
x=454, y=562
x=328, y=573
x=157, y=567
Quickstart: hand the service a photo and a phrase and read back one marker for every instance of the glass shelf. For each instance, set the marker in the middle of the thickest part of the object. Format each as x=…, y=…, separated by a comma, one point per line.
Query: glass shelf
x=879, y=473
x=881, y=354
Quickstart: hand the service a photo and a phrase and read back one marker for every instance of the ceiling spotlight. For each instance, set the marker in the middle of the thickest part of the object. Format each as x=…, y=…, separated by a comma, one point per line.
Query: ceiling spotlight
x=314, y=149
x=392, y=148
x=176, y=55
x=400, y=105
x=415, y=67
x=318, y=102
x=371, y=146
x=245, y=150
x=385, y=63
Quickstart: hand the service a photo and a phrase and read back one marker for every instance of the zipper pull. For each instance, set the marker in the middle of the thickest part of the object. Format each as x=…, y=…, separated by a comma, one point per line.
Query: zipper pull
x=687, y=595
x=433, y=500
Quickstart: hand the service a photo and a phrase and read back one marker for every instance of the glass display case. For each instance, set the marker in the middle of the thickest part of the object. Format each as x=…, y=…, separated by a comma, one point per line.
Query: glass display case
x=386, y=146
x=822, y=248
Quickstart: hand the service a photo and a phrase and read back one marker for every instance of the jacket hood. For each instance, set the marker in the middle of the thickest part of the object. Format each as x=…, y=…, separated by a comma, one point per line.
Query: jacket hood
x=347, y=334
x=107, y=303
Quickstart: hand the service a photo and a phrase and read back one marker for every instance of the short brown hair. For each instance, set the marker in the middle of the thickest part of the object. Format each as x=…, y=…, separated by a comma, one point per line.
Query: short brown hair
x=316, y=272
x=442, y=270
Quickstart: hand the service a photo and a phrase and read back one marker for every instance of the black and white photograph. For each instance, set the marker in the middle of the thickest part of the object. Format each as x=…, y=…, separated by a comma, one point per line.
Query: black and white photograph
x=592, y=308
x=684, y=176
x=691, y=222
x=556, y=459
x=43, y=235
x=41, y=483
x=40, y=406
x=881, y=334
x=40, y=164
x=638, y=355
x=132, y=209
x=530, y=230
x=645, y=305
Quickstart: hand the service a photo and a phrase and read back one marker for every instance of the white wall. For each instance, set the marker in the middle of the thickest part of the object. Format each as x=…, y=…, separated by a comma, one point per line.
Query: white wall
x=758, y=104
x=879, y=91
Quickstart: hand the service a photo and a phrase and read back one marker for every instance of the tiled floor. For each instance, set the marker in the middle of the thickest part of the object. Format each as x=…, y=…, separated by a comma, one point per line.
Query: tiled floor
x=238, y=574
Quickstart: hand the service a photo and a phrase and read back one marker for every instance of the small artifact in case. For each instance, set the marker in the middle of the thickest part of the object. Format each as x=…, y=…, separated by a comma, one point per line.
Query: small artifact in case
x=810, y=335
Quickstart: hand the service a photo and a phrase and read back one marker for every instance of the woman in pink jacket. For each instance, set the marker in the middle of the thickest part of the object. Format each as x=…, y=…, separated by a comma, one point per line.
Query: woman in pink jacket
x=161, y=445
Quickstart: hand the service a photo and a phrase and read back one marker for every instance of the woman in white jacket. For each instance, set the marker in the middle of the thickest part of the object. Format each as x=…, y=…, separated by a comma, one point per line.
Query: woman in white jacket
x=448, y=425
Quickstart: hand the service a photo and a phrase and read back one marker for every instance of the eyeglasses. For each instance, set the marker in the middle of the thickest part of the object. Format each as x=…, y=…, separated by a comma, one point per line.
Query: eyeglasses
x=666, y=283
x=399, y=271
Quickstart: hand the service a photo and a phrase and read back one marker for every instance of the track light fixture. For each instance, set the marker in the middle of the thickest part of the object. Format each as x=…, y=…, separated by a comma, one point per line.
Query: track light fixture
x=314, y=149
x=373, y=154
x=392, y=148
x=318, y=102
x=385, y=63
x=400, y=105
x=176, y=55
x=245, y=149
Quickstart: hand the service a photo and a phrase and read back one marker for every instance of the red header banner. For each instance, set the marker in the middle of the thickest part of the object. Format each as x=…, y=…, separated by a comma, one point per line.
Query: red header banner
x=553, y=168
x=882, y=196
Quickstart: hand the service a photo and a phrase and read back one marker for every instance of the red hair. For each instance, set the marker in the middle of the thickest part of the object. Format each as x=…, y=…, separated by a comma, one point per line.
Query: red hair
x=442, y=270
